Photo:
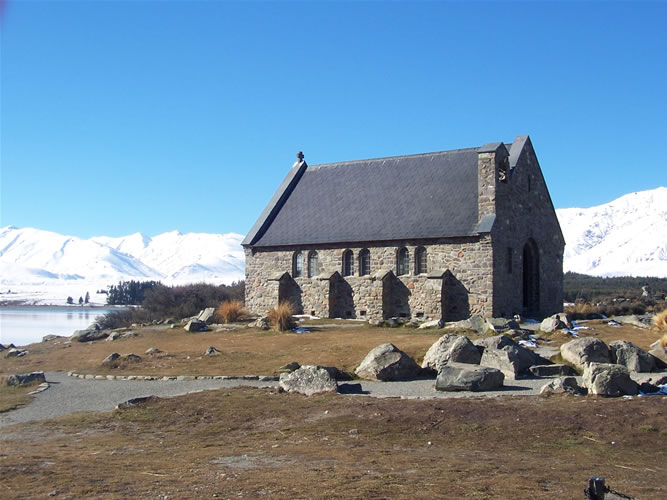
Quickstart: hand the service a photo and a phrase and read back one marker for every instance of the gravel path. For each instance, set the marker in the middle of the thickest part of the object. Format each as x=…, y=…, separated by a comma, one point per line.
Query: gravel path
x=69, y=395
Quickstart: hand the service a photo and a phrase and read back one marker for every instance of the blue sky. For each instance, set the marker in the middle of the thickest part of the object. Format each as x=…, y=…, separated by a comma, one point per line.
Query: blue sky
x=150, y=116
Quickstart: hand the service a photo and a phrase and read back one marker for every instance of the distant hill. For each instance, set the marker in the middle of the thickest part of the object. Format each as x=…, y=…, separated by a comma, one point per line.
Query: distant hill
x=625, y=237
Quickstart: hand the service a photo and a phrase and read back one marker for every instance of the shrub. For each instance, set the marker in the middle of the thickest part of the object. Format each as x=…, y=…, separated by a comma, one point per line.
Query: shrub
x=231, y=310
x=281, y=316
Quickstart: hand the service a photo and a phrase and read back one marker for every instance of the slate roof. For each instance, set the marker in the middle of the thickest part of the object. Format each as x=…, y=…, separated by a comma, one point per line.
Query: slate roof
x=428, y=195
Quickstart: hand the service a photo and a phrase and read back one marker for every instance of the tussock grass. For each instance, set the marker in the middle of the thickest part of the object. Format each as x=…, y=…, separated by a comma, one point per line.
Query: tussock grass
x=281, y=317
x=660, y=322
x=230, y=311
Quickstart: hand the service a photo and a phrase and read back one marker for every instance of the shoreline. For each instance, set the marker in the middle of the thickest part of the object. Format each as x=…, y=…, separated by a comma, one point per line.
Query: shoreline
x=21, y=305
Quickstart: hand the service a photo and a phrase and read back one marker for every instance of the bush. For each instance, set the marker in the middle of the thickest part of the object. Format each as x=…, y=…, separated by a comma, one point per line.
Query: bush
x=281, y=316
x=231, y=310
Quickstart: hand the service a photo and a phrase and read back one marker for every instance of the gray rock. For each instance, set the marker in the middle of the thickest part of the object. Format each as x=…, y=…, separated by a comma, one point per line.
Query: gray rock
x=49, y=338
x=523, y=358
x=552, y=370
x=206, y=315
x=502, y=324
x=387, y=362
x=16, y=353
x=212, y=351
x=607, y=379
x=308, y=380
x=451, y=348
x=132, y=358
x=467, y=377
x=290, y=367
x=632, y=357
x=474, y=322
x=551, y=324
x=506, y=360
x=194, y=325
x=563, y=385
x=580, y=352
x=111, y=358
x=660, y=355
x=261, y=323
x=153, y=350
x=88, y=335
x=634, y=320
x=434, y=323
x=26, y=378
x=659, y=378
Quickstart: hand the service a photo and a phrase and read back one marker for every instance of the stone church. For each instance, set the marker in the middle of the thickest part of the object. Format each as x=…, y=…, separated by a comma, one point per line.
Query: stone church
x=434, y=236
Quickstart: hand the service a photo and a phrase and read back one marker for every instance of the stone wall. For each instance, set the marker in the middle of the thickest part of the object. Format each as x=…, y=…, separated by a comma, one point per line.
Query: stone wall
x=467, y=288
x=524, y=212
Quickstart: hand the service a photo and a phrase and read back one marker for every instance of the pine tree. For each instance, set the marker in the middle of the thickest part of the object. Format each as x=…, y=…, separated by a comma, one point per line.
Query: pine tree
x=70, y=300
x=87, y=299
x=80, y=301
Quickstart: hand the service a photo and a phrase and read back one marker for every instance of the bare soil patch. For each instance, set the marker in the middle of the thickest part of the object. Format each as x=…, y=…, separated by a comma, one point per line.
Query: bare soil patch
x=254, y=443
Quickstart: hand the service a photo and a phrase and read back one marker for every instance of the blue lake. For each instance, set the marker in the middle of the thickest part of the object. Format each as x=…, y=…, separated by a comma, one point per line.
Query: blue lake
x=25, y=325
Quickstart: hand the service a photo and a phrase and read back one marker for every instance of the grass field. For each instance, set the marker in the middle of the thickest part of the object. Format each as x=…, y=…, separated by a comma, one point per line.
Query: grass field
x=249, y=351
x=260, y=443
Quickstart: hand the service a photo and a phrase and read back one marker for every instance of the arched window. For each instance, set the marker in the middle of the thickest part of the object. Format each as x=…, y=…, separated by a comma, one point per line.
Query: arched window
x=420, y=261
x=364, y=262
x=348, y=263
x=403, y=262
x=297, y=265
x=313, y=268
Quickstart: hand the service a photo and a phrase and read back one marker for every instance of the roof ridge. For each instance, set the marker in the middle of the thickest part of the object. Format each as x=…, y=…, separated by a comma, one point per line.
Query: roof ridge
x=383, y=158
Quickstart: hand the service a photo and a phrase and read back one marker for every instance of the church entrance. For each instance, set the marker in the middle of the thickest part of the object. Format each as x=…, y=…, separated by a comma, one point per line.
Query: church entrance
x=531, y=278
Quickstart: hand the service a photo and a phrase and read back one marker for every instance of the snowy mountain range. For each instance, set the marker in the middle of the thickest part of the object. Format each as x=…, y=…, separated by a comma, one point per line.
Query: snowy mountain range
x=42, y=267
x=627, y=236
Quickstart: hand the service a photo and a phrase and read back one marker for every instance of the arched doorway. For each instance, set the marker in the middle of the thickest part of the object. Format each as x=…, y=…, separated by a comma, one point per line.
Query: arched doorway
x=531, y=278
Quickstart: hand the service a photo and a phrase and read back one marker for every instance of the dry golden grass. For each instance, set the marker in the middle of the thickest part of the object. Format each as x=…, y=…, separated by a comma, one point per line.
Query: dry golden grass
x=281, y=316
x=12, y=397
x=252, y=443
x=231, y=311
x=660, y=322
x=243, y=351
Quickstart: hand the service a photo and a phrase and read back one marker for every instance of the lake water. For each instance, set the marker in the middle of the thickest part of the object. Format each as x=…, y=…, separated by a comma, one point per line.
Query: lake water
x=25, y=325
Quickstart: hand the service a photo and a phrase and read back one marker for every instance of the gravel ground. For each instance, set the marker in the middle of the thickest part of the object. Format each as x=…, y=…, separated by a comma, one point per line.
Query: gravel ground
x=69, y=395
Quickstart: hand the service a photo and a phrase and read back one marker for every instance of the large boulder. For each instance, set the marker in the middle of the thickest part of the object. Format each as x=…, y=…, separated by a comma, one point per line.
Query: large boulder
x=563, y=385
x=522, y=358
x=607, y=379
x=632, y=357
x=506, y=360
x=580, y=352
x=434, y=323
x=88, y=335
x=451, y=348
x=467, y=377
x=387, y=362
x=552, y=323
x=308, y=380
x=195, y=325
x=26, y=378
x=474, y=322
x=206, y=315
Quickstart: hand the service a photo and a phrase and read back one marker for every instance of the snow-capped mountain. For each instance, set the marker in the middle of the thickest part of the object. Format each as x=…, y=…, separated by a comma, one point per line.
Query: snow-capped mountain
x=626, y=237
x=44, y=267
